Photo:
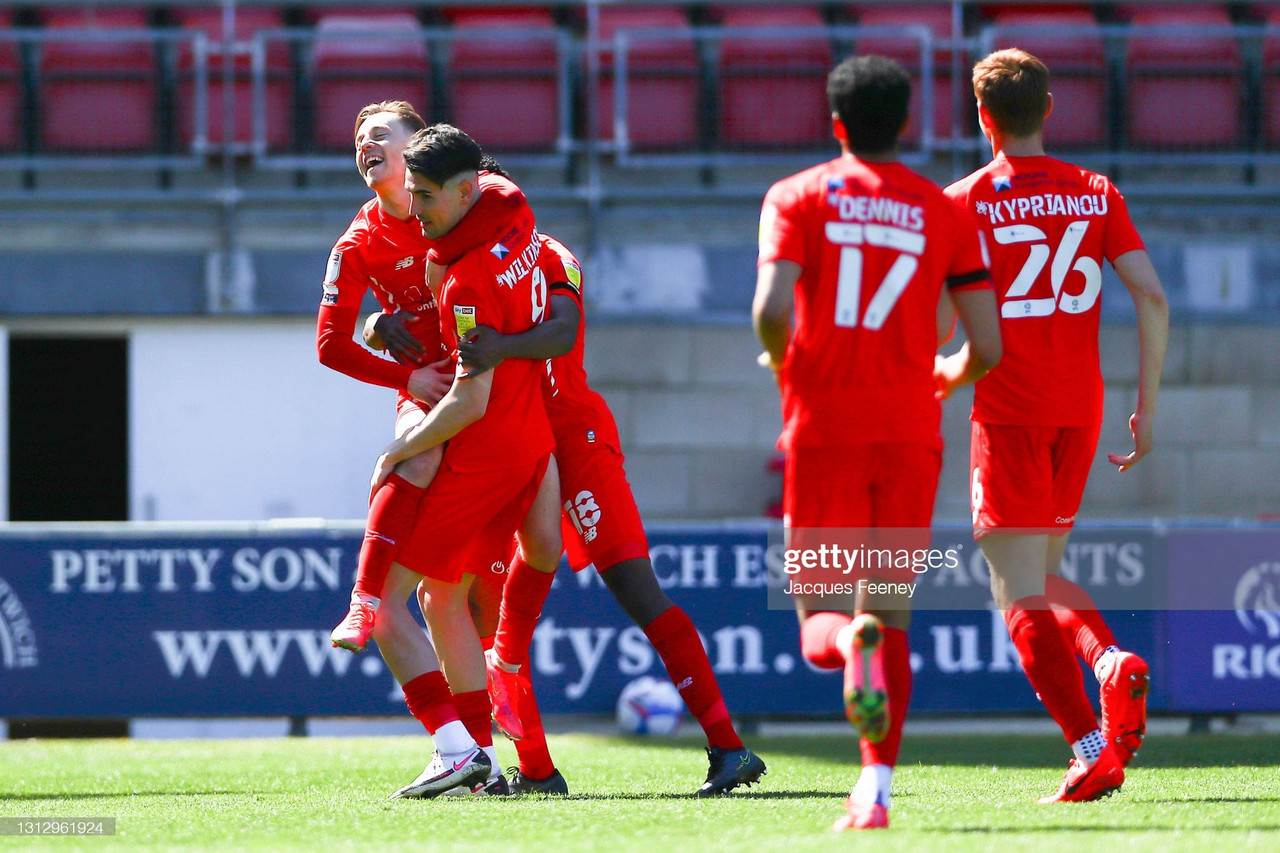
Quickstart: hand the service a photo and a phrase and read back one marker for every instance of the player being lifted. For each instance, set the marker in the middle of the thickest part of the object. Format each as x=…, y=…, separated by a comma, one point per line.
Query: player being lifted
x=601, y=526
x=863, y=253
x=1036, y=417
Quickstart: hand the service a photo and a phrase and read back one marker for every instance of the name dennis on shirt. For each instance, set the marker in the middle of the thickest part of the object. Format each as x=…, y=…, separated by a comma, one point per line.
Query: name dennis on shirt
x=861, y=208
x=523, y=263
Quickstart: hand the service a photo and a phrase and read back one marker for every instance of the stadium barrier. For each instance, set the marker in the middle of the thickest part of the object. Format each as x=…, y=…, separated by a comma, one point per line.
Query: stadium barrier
x=233, y=620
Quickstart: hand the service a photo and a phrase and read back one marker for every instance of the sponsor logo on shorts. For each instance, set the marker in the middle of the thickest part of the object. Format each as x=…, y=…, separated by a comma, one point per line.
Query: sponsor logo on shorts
x=1068, y=520
x=584, y=513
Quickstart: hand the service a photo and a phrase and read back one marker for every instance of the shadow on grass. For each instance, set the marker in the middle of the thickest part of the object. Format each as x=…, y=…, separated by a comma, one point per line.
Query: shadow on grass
x=116, y=795
x=1126, y=828
x=1043, y=751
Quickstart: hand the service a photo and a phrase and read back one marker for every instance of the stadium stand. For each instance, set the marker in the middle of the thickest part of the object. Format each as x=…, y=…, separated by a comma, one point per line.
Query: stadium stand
x=356, y=60
x=1271, y=79
x=98, y=84
x=505, y=89
x=1172, y=62
x=1071, y=43
x=662, y=75
x=772, y=90
x=277, y=78
x=907, y=51
x=10, y=89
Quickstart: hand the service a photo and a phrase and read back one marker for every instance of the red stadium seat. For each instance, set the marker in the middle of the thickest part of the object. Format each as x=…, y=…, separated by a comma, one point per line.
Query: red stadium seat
x=662, y=79
x=10, y=90
x=906, y=50
x=98, y=96
x=504, y=90
x=356, y=61
x=1070, y=43
x=1271, y=81
x=279, y=89
x=1167, y=71
x=772, y=90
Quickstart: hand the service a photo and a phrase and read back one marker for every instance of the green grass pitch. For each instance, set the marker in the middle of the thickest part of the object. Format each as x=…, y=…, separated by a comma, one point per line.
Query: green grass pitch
x=956, y=793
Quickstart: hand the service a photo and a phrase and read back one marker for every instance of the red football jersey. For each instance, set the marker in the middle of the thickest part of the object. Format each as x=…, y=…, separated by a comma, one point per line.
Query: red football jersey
x=577, y=413
x=389, y=255
x=1048, y=225
x=502, y=286
x=876, y=243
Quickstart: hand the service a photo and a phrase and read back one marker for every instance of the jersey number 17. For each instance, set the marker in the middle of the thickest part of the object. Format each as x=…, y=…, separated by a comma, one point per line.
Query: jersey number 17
x=851, y=237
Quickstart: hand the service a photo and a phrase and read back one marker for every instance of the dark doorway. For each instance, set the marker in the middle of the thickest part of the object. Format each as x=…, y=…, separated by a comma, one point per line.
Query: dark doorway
x=68, y=429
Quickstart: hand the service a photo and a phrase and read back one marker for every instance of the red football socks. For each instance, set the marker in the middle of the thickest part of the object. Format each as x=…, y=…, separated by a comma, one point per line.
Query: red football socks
x=818, y=639
x=1050, y=665
x=535, y=757
x=677, y=643
x=896, y=655
x=430, y=701
x=392, y=514
x=476, y=714
x=522, y=600
x=1078, y=617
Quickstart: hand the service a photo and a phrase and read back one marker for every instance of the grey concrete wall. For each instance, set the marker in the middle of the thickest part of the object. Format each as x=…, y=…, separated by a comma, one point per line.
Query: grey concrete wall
x=699, y=419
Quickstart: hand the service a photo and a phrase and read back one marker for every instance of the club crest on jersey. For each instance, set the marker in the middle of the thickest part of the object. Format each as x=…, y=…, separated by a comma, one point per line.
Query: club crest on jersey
x=500, y=251
x=464, y=317
x=1001, y=183
x=404, y=263
x=834, y=186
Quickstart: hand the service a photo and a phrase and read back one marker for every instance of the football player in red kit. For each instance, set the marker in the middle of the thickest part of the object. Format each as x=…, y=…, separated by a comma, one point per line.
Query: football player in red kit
x=495, y=478
x=601, y=527
x=860, y=253
x=384, y=250
x=1036, y=417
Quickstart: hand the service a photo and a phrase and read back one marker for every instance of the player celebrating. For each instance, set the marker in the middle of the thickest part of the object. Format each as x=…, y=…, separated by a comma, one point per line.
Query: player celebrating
x=601, y=526
x=497, y=474
x=1037, y=416
x=866, y=251
x=384, y=249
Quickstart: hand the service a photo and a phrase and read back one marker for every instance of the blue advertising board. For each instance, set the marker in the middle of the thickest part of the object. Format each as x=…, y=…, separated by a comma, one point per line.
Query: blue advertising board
x=135, y=621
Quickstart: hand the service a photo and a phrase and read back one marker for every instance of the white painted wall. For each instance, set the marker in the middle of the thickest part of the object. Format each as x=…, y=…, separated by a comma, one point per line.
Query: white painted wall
x=238, y=420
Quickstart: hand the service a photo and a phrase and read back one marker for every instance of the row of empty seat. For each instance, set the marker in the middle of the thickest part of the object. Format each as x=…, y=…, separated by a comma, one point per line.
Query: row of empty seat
x=101, y=80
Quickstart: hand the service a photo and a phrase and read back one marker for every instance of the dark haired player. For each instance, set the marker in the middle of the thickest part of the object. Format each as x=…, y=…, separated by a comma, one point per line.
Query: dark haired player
x=862, y=252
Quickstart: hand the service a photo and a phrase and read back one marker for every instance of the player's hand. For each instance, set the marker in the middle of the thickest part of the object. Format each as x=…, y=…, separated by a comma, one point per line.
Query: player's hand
x=764, y=359
x=479, y=350
x=945, y=377
x=381, y=471
x=392, y=331
x=1140, y=426
x=431, y=382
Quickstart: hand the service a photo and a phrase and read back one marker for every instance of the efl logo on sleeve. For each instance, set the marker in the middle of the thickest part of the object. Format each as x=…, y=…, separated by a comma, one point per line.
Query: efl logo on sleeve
x=464, y=317
x=574, y=273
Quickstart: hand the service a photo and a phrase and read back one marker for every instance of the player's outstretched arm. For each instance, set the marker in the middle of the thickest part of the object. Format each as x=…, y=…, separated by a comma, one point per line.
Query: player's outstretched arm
x=464, y=404
x=982, y=348
x=1137, y=273
x=484, y=349
x=772, y=307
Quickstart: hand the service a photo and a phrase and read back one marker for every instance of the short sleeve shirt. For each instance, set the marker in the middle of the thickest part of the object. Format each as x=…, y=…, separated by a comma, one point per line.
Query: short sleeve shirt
x=876, y=244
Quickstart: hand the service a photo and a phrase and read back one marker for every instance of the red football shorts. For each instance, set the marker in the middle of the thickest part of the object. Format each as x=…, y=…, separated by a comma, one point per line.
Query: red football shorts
x=1029, y=478
x=467, y=515
x=599, y=520
x=875, y=495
